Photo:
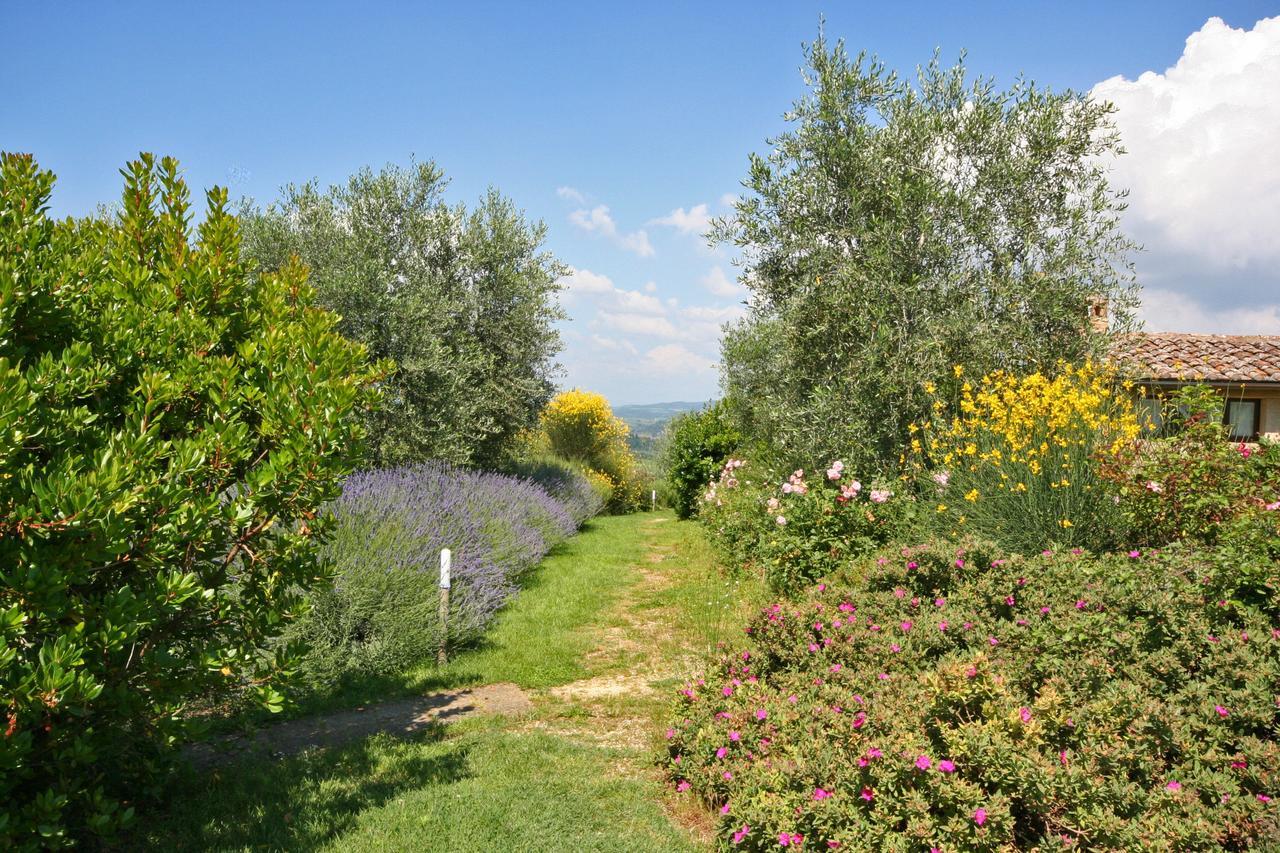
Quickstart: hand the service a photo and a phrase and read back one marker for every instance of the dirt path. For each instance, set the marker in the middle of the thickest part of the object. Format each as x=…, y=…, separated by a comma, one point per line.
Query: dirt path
x=400, y=717
x=616, y=706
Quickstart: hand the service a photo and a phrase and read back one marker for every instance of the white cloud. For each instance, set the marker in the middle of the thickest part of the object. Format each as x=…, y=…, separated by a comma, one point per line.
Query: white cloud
x=721, y=285
x=650, y=287
x=695, y=221
x=638, y=324
x=675, y=360
x=586, y=281
x=1204, y=176
x=571, y=194
x=634, y=300
x=614, y=344
x=1169, y=311
x=598, y=221
x=728, y=200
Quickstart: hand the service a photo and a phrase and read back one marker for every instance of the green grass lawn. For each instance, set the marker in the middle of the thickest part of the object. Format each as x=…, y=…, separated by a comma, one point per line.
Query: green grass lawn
x=557, y=779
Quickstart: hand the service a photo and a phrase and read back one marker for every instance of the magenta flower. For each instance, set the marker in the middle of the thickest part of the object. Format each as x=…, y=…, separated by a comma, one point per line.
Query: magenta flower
x=859, y=719
x=905, y=626
x=728, y=777
x=683, y=786
x=671, y=733
x=728, y=691
x=1133, y=555
x=874, y=753
x=1263, y=798
x=1174, y=786
x=980, y=816
x=867, y=795
x=724, y=809
x=1025, y=713
x=912, y=565
x=993, y=641
x=1009, y=600
x=761, y=713
x=735, y=736
x=741, y=834
x=959, y=563
x=939, y=602
x=946, y=766
x=895, y=648
x=942, y=626
x=820, y=794
x=923, y=762
x=1222, y=712
x=899, y=592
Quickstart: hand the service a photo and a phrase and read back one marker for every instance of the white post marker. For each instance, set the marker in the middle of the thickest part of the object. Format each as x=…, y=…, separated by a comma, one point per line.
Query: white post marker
x=653, y=499
x=446, y=566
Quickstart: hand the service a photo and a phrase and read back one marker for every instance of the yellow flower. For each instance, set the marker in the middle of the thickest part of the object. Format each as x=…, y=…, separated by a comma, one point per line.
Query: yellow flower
x=942, y=507
x=959, y=370
x=1066, y=522
x=972, y=496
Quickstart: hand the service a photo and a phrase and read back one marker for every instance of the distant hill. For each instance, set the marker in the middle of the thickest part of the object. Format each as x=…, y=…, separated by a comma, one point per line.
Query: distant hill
x=647, y=421
x=645, y=414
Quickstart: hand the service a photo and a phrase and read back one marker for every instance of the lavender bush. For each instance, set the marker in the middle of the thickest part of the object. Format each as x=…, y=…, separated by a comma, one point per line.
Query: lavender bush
x=381, y=614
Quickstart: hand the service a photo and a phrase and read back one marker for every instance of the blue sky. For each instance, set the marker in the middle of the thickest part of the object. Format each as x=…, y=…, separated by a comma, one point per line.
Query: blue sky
x=604, y=120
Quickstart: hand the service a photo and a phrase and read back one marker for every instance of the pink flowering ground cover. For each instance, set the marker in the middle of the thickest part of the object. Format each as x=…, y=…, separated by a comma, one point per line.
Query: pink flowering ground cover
x=946, y=698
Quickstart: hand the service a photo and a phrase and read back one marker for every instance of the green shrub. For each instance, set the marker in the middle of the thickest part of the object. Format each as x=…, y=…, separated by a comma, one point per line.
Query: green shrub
x=804, y=529
x=580, y=426
x=1015, y=459
x=698, y=443
x=945, y=698
x=169, y=428
x=1195, y=484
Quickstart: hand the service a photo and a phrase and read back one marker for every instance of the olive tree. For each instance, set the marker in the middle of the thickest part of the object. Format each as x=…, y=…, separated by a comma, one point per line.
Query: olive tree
x=900, y=227
x=463, y=301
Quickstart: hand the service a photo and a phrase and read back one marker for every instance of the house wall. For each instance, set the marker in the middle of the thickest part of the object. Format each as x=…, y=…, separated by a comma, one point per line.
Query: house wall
x=1269, y=417
x=1268, y=394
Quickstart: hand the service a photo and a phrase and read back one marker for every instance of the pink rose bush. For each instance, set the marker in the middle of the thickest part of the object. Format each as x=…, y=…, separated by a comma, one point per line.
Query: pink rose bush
x=1144, y=719
x=802, y=528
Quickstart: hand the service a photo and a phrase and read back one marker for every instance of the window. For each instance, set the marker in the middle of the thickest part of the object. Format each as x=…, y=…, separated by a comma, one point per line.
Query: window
x=1150, y=412
x=1242, y=419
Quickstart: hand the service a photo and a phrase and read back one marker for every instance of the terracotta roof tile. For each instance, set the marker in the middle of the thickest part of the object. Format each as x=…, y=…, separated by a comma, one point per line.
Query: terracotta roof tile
x=1212, y=358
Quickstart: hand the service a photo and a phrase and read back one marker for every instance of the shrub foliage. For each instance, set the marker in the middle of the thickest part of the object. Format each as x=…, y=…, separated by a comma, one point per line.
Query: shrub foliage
x=170, y=427
x=1015, y=459
x=382, y=614
x=580, y=426
x=944, y=698
x=697, y=445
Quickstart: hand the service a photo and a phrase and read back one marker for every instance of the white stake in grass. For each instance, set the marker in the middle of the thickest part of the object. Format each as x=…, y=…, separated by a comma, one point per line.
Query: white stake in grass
x=653, y=499
x=446, y=566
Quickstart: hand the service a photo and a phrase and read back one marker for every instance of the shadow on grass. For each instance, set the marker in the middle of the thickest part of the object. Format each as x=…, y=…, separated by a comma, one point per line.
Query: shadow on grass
x=298, y=803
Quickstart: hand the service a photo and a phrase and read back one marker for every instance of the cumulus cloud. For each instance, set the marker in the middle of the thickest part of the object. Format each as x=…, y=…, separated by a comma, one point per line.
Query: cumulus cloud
x=614, y=345
x=694, y=222
x=597, y=220
x=634, y=300
x=1168, y=310
x=675, y=360
x=571, y=194
x=632, y=323
x=721, y=285
x=1204, y=178
x=586, y=281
